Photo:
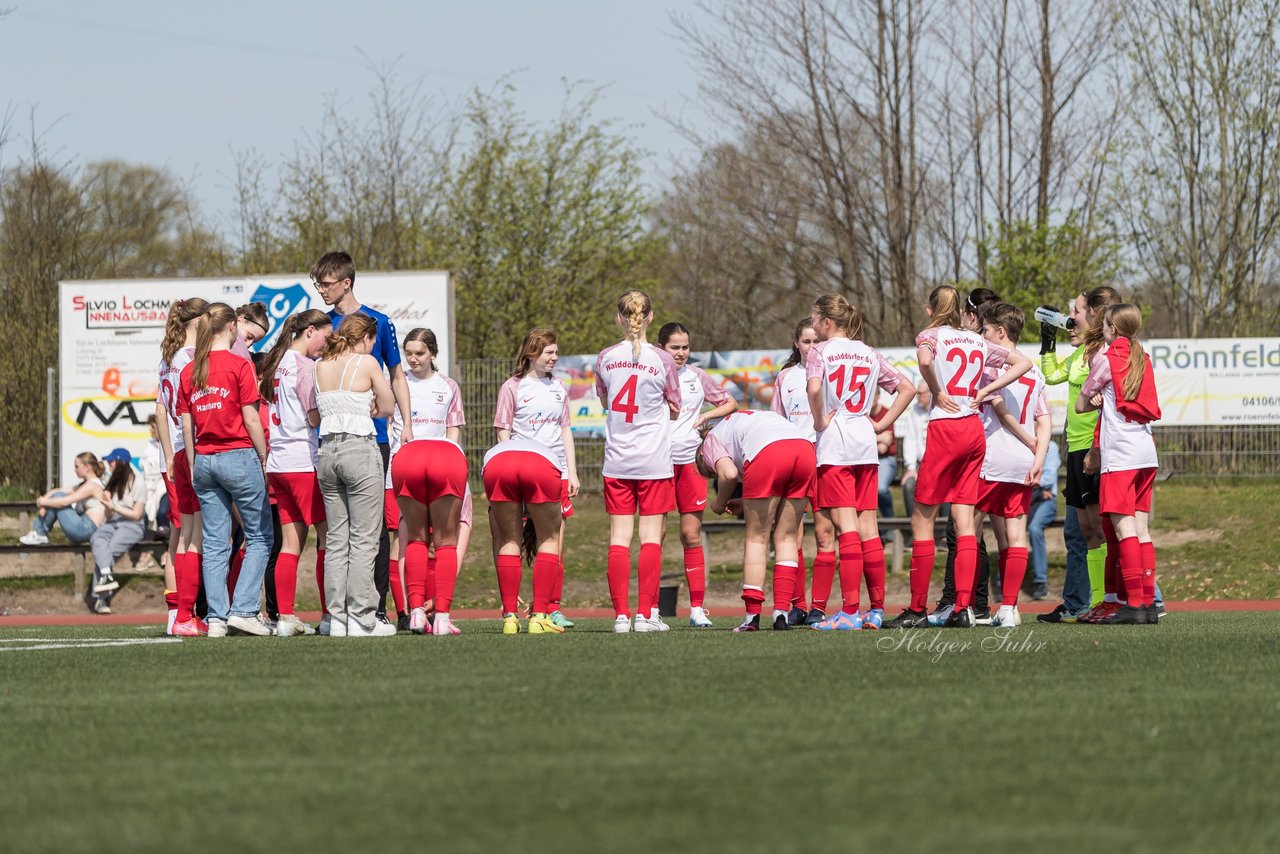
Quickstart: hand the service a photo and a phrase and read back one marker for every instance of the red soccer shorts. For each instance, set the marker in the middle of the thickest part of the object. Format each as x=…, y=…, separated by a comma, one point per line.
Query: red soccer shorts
x=566, y=503
x=952, y=461
x=782, y=469
x=691, y=488
x=428, y=471
x=1126, y=492
x=623, y=496
x=848, y=486
x=298, y=496
x=998, y=498
x=187, y=502
x=523, y=477
x=390, y=510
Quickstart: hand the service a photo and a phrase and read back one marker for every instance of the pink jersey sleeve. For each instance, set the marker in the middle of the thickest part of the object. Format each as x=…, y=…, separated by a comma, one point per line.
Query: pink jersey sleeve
x=505, y=414
x=712, y=391
x=775, y=402
x=713, y=450
x=602, y=391
x=565, y=420
x=890, y=379
x=1042, y=403
x=1099, y=375
x=997, y=356
x=307, y=384
x=671, y=383
x=928, y=338
x=454, y=417
x=813, y=363
x=241, y=349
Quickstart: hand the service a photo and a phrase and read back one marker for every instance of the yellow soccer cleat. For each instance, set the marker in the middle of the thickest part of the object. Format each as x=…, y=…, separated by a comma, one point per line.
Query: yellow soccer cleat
x=510, y=624
x=541, y=624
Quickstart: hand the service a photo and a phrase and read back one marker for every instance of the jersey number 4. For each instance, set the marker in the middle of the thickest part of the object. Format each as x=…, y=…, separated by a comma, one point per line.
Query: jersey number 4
x=857, y=385
x=625, y=400
x=963, y=360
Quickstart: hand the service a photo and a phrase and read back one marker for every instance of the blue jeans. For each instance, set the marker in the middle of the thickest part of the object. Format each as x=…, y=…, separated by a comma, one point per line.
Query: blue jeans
x=78, y=527
x=233, y=477
x=888, y=469
x=1076, y=592
x=1039, y=517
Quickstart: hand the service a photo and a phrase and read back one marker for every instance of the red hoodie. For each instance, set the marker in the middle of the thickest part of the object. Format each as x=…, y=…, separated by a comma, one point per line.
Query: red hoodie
x=1144, y=408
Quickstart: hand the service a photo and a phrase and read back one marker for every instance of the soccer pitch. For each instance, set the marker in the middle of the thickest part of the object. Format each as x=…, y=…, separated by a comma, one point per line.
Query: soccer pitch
x=1052, y=737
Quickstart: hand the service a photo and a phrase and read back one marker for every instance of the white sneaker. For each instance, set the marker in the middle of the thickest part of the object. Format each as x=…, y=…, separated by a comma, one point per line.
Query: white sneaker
x=323, y=628
x=418, y=621
x=379, y=630
x=442, y=626
x=33, y=538
x=655, y=617
x=1007, y=617
x=645, y=624
x=337, y=628
x=699, y=618
x=289, y=625
x=254, y=625
x=217, y=628
x=621, y=625
x=106, y=582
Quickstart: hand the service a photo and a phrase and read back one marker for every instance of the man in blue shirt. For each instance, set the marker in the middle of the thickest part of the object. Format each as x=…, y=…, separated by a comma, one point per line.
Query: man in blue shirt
x=334, y=277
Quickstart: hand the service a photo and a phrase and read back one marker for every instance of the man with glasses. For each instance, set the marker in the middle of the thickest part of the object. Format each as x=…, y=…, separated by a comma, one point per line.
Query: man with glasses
x=334, y=277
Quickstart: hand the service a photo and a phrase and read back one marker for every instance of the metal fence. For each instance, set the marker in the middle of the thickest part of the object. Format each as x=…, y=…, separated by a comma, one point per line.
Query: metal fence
x=1202, y=451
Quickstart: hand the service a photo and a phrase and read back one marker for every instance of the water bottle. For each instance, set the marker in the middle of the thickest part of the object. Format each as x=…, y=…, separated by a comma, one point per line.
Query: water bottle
x=1053, y=317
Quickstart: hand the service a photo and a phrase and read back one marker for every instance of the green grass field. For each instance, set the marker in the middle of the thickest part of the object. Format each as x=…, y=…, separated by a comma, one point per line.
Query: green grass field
x=1134, y=738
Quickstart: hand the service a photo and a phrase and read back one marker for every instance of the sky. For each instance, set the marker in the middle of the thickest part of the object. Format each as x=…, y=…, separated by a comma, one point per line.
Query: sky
x=182, y=84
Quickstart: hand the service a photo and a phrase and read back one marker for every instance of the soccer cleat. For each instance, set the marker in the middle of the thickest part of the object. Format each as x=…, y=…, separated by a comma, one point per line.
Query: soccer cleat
x=418, y=622
x=186, y=629
x=840, y=621
x=981, y=617
x=202, y=626
x=402, y=622
x=541, y=624
x=254, y=625
x=1160, y=609
x=557, y=616
x=750, y=624
x=33, y=538
x=106, y=582
x=647, y=624
x=1055, y=616
x=1007, y=617
x=289, y=625
x=797, y=616
x=621, y=624
x=941, y=615
x=873, y=619
x=655, y=617
x=699, y=618
x=815, y=616
x=217, y=628
x=1100, y=612
x=909, y=619
x=961, y=618
x=510, y=624
x=1153, y=614
x=780, y=622
x=442, y=626
x=101, y=606
x=1126, y=615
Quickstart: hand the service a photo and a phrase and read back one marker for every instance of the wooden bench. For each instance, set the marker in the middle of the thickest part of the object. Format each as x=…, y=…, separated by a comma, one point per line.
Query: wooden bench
x=154, y=548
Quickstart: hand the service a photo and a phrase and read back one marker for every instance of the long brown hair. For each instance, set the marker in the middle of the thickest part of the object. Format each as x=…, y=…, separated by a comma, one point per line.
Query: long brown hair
x=354, y=329
x=634, y=307
x=794, y=358
x=294, y=327
x=181, y=312
x=1097, y=300
x=427, y=338
x=844, y=314
x=944, y=302
x=95, y=465
x=215, y=322
x=121, y=474
x=538, y=339
x=1126, y=320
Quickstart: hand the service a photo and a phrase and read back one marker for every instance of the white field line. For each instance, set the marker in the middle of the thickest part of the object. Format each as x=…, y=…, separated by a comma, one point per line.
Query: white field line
x=72, y=643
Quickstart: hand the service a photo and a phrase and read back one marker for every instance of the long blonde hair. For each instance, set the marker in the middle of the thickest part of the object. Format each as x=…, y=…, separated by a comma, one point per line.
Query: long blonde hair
x=354, y=329
x=844, y=314
x=1126, y=320
x=215, y=322
x=1098, y=299
x=634, y=307
x=944, y=302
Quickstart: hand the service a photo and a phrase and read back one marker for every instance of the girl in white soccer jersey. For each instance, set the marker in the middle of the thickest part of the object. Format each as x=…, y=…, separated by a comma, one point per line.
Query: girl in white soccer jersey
x=639, y=388
x=288, y=385
x=696, y=391
x=435, y=405
x=791, y=401
x=775, y=463
x=185, y=539
x=533, y=404
x=843, y=373
x=1121, y=384
x=1018, y=427
x=952, y=359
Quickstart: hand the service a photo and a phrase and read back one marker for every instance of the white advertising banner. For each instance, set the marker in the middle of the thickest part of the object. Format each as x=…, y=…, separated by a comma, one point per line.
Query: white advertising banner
x=111, y=332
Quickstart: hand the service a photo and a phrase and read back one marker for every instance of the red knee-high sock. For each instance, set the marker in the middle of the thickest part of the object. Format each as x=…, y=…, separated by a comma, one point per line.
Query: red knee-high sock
x=798, y=598
x=415, y=573
x=1148, y=573
x=446, y=577
x=1111, y=580
x=233, y=575
x=873, y=570
x=650, y=572
x=966, y=568
x=286, y=582
x=922, y=554
x=186, y=571
x=619, y=573
x=752, y=599
x=320, y=579
x=431, y=580
x=544, y=579
x=824, y=573
x=509, y=571
x=784, y=584
x=557, y=586
x=695, y=574
x=1131, y=570
x=397, y=589
x=1012, y=571
x=850, y=571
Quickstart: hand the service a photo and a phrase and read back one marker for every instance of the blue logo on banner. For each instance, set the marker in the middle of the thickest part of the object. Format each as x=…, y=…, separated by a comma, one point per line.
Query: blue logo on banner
x=281, y=303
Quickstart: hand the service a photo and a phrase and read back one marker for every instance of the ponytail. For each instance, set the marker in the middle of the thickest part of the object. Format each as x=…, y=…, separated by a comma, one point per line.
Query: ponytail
x=1126, y=320
x=181, y=312
x=255, y=313
x=121, y=474
x=794, y=358
x=528, y=542
x=354, y=329
x=634, y=307
x=216, y=321
x=95, y=465
x=292, y=329
x=1098, y=300
x=944, y=302
x=841, y=312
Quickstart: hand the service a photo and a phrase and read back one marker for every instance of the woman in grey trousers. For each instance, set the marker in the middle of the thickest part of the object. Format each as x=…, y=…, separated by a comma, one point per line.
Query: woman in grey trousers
x=350, y=392
x=125, y=500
